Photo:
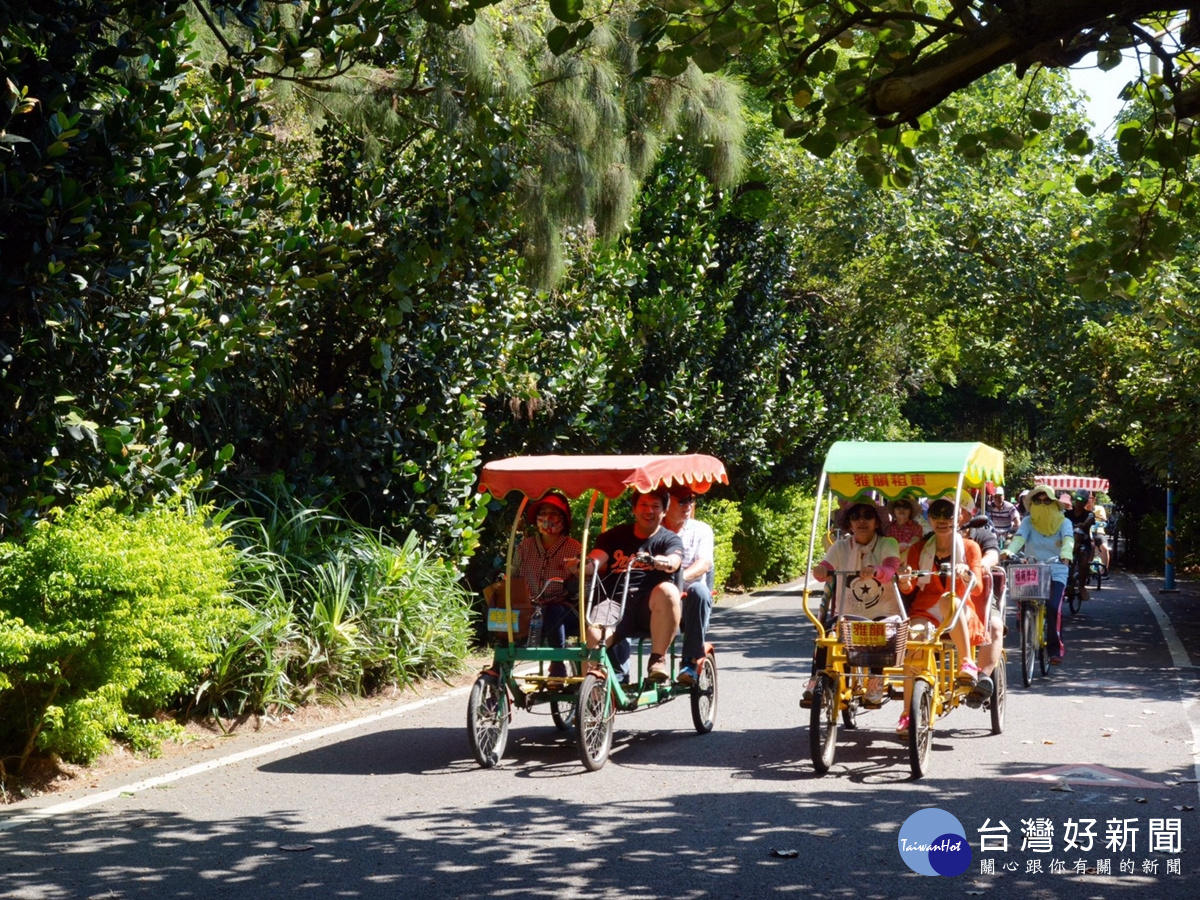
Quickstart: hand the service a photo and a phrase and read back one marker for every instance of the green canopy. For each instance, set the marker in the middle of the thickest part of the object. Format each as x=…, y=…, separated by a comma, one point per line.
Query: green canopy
x=900, y=469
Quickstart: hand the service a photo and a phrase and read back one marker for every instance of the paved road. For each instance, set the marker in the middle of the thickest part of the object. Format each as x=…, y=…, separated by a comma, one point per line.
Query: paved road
x=395, y=807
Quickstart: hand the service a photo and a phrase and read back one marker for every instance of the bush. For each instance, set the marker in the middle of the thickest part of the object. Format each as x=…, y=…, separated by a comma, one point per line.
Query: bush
x=772, y=544
x=334, y=608
x=112, y=616
x=725, y=517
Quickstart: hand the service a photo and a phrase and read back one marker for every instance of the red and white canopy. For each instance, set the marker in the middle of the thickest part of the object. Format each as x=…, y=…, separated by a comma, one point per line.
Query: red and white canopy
x=1073, y=482
x=611, y=475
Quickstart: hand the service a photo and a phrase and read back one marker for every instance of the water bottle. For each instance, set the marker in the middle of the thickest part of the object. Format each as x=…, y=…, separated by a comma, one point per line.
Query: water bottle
x=535, y=628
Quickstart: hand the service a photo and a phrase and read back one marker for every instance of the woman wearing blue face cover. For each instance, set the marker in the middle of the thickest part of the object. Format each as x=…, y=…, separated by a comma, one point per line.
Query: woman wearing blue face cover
x=543, y=566
x=1047, y=535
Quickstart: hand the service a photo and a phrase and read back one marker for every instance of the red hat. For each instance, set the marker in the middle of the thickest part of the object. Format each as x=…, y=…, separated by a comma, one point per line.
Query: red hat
x=553, y=498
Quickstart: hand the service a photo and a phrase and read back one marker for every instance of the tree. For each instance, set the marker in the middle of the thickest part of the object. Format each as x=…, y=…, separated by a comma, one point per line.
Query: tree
x=882, y=76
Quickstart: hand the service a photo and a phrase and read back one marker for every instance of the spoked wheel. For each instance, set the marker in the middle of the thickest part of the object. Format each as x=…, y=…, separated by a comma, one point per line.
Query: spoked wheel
x=594, y=723
x=563, y=711
x=1029, y=641
x=1074, y=593
x=1099, y=575
x=704, y=695
x=920, y=728
x=1043, y=659
x=822, y=724
x=999, y=695
x=487, y=720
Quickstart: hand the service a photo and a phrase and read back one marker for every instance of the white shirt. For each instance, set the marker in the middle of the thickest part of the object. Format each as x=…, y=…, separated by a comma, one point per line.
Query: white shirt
x=697, y=540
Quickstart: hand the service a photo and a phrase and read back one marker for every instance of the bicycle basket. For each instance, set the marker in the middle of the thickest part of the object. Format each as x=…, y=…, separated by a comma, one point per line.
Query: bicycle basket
x=874, y=644
x=1029, y=582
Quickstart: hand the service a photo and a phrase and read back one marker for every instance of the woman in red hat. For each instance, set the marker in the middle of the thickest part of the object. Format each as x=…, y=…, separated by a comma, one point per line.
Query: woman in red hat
x=543, y=566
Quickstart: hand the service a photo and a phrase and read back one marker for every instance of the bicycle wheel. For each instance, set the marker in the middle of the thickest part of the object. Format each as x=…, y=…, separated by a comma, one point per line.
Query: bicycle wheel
x=594, y=723
x=920, y=728
x=1043, y=662
x=487, y=720
x=704, y=695
x=1099, y=571
x=999, y=695
x=1029, y=642
x=822, y=723
x=1073, y=596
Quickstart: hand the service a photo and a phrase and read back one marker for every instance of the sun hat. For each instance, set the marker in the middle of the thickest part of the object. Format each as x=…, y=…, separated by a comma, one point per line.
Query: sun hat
x=1040, y=489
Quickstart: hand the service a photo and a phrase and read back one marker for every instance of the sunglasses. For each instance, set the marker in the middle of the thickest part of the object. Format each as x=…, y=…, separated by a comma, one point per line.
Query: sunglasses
x=942, y=513
x=685, y=500
x=861, y=514
x=1042, y=499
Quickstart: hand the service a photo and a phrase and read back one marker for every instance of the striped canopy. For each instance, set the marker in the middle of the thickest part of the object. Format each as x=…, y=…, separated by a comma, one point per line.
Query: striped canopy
x=910, y=469
x=611, y=475
x=1074, y=482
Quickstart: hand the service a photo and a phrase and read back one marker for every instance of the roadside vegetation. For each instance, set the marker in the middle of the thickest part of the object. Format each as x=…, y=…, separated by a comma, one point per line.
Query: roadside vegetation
x=275, y=286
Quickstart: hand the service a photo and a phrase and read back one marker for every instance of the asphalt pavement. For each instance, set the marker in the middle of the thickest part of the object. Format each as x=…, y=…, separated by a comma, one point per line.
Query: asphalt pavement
x=1090, y=792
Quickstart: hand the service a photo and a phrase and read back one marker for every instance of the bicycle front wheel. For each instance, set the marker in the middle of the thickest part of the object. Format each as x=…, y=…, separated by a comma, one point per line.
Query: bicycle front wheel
x=1029, y=622
x=1043, y=662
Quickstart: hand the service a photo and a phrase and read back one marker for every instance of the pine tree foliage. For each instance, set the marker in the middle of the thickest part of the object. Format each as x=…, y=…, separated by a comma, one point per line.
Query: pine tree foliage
x=580, y=132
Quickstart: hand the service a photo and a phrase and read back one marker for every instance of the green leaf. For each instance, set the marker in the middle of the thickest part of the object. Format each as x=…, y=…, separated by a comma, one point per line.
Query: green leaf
x=710, y=58
x=1079, y=142
x=821, y=144
x=567, y=10
x=560, y=39
x=1040, y=119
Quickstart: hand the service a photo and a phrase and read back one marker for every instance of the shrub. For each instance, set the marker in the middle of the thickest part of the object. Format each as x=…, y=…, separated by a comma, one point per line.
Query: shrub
x=772, y=544
x=113, y=616
x=334, y=608
x=725, y=517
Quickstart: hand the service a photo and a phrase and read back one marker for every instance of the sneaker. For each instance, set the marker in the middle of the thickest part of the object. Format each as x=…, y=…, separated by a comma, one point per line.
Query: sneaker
x=968, y=674
x=1083, y=593
x=1056, y=660
x=981, y=692
x=686, y=676
x=902, y=725
x=874, y=698
x=558, y=669
x=657, y=670
x=806, y=697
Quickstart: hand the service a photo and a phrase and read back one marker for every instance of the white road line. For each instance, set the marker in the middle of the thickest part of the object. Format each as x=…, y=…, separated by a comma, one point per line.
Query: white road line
x=1179, y=656
x=70, y=806
x=1180, y=659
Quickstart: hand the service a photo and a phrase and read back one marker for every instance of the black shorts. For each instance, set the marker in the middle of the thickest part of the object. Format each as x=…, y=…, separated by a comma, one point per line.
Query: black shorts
x=637, y=617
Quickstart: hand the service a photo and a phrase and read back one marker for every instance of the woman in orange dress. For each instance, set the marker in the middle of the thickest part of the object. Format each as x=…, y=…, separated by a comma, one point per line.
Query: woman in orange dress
x=927, y=597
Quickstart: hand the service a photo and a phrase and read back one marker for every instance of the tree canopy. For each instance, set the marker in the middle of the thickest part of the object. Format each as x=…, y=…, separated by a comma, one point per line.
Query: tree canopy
x=351, y=249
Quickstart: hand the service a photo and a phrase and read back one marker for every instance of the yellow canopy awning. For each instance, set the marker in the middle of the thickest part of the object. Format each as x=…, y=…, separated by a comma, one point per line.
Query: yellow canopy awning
x=910, y=469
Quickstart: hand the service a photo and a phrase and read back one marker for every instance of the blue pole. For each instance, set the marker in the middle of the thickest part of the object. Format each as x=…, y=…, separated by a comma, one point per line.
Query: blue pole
x=1169, y=536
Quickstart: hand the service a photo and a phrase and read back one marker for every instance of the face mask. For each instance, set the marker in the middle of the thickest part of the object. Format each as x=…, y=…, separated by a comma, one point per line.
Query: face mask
x=1046, y=517
x=550, y=524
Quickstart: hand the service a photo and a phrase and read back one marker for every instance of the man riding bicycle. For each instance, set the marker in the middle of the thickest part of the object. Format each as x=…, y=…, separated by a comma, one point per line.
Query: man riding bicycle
x=1082, y=519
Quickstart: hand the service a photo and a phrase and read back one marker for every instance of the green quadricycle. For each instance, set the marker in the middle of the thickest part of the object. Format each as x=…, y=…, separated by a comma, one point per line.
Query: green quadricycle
x=913, y=657
x=587, y=691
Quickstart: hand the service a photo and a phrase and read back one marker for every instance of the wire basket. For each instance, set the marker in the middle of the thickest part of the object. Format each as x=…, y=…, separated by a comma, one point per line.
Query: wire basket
x=1029, y=581
x=873, y=644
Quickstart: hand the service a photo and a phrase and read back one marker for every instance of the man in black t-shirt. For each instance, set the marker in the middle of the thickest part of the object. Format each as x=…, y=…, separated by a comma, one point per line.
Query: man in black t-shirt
x=654, y=602
x=1082, y=520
